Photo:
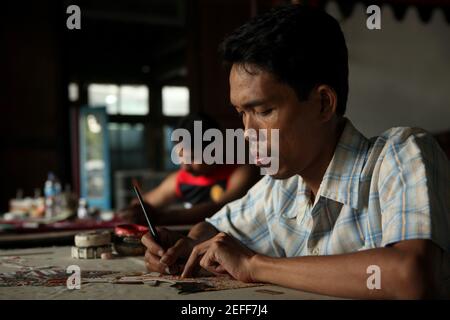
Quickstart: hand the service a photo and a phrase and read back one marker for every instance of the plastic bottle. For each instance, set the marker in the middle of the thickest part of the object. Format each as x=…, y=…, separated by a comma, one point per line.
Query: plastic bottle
x=58, y=197
x=50, y=193
x=82, y=211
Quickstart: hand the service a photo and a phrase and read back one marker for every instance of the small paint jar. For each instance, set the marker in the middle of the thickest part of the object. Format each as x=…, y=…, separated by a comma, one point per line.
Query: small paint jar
x=127, y=239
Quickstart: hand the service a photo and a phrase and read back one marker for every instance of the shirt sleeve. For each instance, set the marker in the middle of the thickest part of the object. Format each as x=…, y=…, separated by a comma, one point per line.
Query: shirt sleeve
x=245, y=218
x=414, y=184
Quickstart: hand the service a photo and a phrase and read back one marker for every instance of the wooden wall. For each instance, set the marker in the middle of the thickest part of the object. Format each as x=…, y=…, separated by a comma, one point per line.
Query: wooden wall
x=33, y=124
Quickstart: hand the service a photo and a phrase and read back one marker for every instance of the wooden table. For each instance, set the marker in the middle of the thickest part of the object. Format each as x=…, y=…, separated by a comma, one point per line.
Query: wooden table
x=56, y=237
x=60, y=257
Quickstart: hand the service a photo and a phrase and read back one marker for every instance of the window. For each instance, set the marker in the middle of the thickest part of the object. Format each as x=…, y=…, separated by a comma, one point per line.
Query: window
x=134, y=100
x=119, y=100
x=100, y=95
x=175, y=101
x=73, y=92
x=128, y=108
x=127, y=146
x=139, y=138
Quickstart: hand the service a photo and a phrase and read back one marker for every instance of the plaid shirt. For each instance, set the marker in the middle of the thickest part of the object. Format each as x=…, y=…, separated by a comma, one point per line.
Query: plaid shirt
x=374, y=193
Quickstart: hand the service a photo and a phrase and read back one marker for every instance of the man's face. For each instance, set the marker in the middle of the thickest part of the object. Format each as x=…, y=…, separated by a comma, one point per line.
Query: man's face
x=265, y=103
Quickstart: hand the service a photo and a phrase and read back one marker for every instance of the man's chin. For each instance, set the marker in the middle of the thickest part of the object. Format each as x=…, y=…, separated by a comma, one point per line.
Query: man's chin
x=281, y=174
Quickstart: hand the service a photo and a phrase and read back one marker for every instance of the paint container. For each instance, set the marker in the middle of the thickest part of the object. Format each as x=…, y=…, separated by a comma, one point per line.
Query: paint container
x=127, y=239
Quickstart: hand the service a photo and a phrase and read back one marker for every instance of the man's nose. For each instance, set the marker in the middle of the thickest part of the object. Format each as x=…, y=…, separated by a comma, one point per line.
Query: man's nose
x=250, y=129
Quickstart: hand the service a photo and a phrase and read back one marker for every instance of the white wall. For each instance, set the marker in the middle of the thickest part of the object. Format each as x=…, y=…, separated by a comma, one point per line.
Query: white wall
x=399, y=75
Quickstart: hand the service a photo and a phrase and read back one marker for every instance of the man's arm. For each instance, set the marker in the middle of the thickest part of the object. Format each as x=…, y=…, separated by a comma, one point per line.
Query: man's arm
x=164, y=194
x=407, y=271
x=202, y=231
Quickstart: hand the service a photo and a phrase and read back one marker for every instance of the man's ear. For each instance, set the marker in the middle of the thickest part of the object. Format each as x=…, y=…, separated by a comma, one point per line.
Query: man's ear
x=328, y=102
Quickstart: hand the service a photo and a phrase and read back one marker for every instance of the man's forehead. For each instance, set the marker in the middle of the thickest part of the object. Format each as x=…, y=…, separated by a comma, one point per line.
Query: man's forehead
x=247, y=73
x=248, y=84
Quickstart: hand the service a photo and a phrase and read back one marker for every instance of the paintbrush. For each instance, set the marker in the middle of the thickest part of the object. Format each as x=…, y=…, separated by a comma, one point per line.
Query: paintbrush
x=153, y=231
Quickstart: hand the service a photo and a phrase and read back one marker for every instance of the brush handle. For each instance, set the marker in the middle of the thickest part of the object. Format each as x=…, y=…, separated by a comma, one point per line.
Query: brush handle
x=153, y=232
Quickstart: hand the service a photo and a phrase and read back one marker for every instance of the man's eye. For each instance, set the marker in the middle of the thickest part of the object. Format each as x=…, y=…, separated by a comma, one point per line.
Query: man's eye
x=266, y=112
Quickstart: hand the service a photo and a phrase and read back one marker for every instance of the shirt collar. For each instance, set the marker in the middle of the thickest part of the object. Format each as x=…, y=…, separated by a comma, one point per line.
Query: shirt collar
x=341, y=179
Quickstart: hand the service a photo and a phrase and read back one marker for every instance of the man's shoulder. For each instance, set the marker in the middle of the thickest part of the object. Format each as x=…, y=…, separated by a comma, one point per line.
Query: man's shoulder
x=398, y=135
x=409, y=151
x=403, y=143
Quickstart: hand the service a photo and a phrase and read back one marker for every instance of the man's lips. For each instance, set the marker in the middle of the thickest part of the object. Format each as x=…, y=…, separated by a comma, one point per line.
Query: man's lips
x=263, y=161
x=260, y=161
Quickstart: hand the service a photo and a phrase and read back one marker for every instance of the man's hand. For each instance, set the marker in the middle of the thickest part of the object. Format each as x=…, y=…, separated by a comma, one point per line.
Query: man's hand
x=158, y=259
x=221, y=254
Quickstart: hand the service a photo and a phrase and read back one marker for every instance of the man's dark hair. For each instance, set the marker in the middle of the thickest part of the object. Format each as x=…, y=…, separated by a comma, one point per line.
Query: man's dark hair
x=301, y=46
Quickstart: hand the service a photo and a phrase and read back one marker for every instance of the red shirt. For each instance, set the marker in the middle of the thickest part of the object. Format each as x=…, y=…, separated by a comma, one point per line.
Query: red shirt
x=197, y=189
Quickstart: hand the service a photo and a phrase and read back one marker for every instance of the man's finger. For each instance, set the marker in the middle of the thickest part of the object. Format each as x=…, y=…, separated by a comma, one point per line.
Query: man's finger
x=194, y=259
x=175, y=252
x=220, y=270
x=174, y=269
x=151, y=245
x=208, y=262
x=149, y=256
x=152, y=263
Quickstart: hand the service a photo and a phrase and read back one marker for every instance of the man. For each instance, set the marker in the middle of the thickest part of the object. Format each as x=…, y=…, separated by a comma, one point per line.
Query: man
x=340, y=204
x=197, y=190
